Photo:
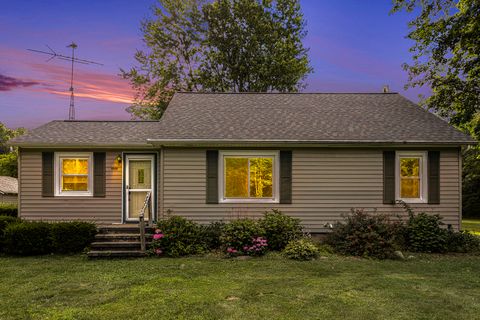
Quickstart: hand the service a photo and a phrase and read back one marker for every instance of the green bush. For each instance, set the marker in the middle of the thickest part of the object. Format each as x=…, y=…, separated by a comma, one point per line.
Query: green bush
x=238, y=235
x=28, y=238
x=280, y=229
x=211, y=234
x=463, y=242
x=424, y=233
x=301, y=249
x=7, y=209
x=71, y=237
x=177, y=236
x=4, y=222
x=366, y=235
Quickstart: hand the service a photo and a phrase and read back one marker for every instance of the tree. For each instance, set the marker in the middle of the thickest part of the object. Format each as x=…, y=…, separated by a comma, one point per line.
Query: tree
x=175, y=41
x=8, y=156
x=254, y=46
x=446, y=57
x=223, y=46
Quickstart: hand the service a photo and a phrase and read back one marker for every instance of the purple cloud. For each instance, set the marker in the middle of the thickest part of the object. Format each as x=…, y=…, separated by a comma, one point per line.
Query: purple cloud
x=9, y=83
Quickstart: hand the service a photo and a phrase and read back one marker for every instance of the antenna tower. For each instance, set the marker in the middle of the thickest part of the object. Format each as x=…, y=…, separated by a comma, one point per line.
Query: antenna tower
x=53, y=54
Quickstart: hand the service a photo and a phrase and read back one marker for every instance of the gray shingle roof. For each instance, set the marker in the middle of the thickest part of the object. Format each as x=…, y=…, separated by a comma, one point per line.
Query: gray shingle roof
x=261, y=117
x=8, y=185
x=89, y=133
x=316, y=117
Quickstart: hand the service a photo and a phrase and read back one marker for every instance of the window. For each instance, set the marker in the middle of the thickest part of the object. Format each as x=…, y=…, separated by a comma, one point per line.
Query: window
x=248, y=176
x=411, y=176
x=73, y=174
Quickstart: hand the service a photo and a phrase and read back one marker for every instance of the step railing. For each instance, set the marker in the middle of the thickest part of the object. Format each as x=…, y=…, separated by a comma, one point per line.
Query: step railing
x=141, y=220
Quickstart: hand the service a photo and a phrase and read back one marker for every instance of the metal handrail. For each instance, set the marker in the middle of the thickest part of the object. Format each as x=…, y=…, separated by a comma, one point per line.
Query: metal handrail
x=141, y=221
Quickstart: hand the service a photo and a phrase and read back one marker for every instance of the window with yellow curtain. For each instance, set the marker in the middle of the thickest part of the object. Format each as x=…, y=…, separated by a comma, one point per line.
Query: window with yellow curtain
x=74, y=173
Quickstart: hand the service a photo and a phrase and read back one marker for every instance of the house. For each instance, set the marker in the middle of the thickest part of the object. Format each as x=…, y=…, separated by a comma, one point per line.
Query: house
x=8, y=190
x=220, y=156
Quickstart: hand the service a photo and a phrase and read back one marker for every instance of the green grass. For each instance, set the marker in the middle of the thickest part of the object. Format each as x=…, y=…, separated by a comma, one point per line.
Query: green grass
x=472, y=225
x=72, y=287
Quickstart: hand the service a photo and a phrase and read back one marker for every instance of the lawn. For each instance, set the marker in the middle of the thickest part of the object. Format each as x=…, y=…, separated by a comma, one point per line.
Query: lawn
x=471, y=225
x=72, y=287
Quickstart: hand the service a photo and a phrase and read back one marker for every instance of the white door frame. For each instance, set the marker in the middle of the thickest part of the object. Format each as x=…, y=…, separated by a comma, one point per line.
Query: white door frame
x=139, y=156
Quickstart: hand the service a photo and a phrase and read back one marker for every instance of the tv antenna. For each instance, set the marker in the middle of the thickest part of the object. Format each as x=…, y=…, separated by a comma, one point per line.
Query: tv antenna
x=53, y=54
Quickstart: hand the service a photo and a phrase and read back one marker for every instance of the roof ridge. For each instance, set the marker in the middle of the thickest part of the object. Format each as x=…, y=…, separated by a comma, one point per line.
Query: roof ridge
x=282, y=93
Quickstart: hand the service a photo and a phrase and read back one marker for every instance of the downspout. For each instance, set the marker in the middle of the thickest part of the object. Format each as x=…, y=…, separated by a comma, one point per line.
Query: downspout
x=460, y=185
x=161, y=196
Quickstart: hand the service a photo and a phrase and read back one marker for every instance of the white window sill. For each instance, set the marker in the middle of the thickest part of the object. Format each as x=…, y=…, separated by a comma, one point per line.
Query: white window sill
x=72, y=194
x=258, y=201
x=413, y=200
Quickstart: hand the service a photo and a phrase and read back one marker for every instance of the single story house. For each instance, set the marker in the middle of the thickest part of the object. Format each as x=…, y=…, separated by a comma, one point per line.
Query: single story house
x=220, y=156
x=8, y=190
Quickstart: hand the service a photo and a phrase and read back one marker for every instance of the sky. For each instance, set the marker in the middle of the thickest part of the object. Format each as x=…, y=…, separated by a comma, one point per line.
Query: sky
x=355, y=46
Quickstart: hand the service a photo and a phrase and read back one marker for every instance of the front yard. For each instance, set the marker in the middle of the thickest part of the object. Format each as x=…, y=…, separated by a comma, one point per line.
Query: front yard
x=72, y=287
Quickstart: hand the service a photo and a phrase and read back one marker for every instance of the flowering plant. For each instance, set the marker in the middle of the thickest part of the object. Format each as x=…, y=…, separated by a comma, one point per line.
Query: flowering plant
x=155, y=247
x=257, y=247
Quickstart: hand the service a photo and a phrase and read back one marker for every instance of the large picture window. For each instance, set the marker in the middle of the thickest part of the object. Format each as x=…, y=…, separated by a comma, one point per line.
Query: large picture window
x=248, y=176
x=411, y=176
x=73, y=174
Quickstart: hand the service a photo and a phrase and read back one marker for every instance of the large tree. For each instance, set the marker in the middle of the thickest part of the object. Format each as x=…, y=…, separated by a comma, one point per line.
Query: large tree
x=446, y=58
x=221, y=46
x=8, y=155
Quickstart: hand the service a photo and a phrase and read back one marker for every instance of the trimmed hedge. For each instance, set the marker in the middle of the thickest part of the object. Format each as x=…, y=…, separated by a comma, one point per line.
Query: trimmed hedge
x=8, y=210
x=280, y=229
x=4, y=222
x=36, y=238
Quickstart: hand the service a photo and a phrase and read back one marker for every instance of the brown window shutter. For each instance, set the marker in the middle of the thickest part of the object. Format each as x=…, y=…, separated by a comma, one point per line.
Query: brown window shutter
x=99, y=174
x=433, y=177
x=389, y=177
x=286, y=177
x=47, y=174
x=212, y=176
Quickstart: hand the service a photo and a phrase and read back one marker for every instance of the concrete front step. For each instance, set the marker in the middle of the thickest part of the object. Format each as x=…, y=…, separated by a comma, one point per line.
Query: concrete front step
x=116, y=245
x=114, y=237
x=123, y=229
x=109, y=254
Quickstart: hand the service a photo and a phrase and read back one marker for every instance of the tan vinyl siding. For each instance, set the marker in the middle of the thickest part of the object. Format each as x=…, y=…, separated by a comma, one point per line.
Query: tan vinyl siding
x=326, y=183
x=36, y=207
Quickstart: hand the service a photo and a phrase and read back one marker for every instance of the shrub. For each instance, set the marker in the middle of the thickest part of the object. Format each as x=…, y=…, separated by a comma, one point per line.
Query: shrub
x=280, y=229
x=211, y=234
x=240, y=234
x=424, y=233
x=177, y=236
x=71, y=237
x=463, y=242
x=8, y=210
x=301, y=249
x=4, y=222
x=28, y=238
x=366, y=235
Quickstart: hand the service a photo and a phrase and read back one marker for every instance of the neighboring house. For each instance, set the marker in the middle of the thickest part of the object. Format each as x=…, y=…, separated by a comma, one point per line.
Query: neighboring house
x=8, y=190
x=220, y=156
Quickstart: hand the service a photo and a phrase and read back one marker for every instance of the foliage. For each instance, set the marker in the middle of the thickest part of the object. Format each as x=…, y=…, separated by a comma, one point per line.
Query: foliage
x=240, y=234
x=34, y=238
x=177, y=236
x=423, y=233
x=226, y=45
x=254, y=46
x=71, y=237
x=446, y=57
x=463, y=241
x=28, y=238
x=4, y=222
x=8, y=155
x=471, y=183
x=366, y=235
x=280, y=229
x=211, y=234
x=301, y=249
x=7, y=209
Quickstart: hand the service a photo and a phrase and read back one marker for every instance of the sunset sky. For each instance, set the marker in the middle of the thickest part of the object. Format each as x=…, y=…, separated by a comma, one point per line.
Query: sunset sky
x=355, y=46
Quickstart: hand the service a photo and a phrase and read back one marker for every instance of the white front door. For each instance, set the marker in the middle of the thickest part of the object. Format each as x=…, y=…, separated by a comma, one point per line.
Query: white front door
x=139, y=180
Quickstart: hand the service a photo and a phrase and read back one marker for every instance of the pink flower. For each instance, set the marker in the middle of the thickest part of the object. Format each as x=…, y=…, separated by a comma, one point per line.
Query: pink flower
x=157, y=236
x=158, y=251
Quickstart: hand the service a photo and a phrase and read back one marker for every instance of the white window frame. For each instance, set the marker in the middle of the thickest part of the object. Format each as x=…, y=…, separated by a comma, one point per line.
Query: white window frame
x=59, y=156
x=422, y=155
x=249, y=154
